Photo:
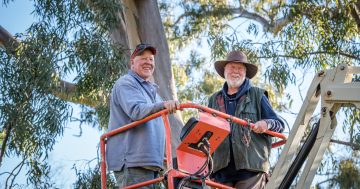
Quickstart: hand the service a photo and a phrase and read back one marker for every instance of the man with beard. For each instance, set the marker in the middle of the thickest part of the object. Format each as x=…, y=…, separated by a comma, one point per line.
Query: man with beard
x=242, y=159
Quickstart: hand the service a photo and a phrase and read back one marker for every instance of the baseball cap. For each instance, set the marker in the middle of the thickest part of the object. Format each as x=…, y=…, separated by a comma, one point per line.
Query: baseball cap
x=141, y=48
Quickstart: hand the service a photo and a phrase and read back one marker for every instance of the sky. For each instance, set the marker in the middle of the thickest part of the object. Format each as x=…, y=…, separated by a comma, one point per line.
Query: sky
x=70, y=149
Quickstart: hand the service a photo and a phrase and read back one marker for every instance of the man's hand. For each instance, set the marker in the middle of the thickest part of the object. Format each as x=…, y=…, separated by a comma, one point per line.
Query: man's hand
x=172, y=105
x=260, y=127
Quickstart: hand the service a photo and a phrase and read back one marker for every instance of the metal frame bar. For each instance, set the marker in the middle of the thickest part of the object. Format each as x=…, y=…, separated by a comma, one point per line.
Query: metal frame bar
x=172, y=173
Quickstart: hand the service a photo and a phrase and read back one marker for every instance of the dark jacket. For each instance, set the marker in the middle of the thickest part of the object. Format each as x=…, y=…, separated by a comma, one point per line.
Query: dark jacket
x=254, y=156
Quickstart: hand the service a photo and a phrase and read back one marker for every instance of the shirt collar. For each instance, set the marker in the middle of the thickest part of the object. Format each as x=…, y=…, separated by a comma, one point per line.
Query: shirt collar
x=140, y=79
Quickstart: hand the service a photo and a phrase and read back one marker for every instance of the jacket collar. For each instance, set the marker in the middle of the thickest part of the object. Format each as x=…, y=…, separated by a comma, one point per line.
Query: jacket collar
x=242, y=90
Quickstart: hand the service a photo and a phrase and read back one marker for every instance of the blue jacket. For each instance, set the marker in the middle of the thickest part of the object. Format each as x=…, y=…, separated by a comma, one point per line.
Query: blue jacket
x=133, y=98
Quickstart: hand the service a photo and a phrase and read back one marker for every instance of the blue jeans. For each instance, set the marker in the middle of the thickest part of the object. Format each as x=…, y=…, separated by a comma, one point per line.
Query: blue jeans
x=133, y=175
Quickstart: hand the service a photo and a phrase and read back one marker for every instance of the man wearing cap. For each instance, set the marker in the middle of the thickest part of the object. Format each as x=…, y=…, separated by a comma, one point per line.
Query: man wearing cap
x=137, y=155
x=242, y=159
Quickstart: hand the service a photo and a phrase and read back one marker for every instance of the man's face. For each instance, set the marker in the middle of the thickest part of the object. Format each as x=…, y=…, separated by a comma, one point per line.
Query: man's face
x=144, y=64
x=235, y=74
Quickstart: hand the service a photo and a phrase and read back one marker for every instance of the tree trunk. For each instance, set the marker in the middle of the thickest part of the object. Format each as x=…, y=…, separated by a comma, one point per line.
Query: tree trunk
x=144, y=25
x=140, y=22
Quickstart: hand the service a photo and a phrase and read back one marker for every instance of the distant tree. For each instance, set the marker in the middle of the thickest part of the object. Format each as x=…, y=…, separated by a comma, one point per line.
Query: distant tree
x=282, y=37
x=91, y=178
x=294, y=35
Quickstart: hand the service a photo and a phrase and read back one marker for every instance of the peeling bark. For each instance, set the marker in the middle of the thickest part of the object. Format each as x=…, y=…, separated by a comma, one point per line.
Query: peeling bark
x=355, y=12
x=150, y=30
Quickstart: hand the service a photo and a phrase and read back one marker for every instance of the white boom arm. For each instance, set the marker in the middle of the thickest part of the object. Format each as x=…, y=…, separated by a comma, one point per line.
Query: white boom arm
x=335, y=89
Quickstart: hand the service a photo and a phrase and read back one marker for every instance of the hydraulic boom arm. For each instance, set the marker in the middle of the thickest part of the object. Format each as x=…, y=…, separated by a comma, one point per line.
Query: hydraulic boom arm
x=334, y=89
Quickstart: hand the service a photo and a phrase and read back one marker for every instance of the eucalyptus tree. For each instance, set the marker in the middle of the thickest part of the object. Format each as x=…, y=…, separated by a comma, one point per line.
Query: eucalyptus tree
x=294, y=34
x=71, y=54
x=90, y=42
x=284, y=38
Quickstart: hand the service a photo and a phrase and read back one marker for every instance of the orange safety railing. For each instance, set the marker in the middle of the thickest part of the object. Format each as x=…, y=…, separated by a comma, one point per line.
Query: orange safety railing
x=172, y=173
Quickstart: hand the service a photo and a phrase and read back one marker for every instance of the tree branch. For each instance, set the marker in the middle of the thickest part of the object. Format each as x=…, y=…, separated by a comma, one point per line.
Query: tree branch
x=325, y=181
x=351, y=145
x=19, y=167
x=334, y=53
x=181, y=17
x=249, y=15
x=4, y=142
x=275, y=26
x=318, y=52
x=65, y=90
x=7, y=41
x=267, y=25
x=355, y=11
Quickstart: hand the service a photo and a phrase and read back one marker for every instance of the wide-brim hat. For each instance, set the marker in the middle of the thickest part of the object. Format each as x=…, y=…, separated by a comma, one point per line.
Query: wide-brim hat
x=140, y=48
x=236, y=57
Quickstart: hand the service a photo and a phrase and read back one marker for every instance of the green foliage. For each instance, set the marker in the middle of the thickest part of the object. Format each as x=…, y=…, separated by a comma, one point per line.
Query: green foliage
x=194, y=83
x=39, y=174
x=83, y=47
x=70, y=40
x=31, y=116
x=199, y=16
x=283, y=37
x=210, y=84
x=91, y=179
x=348, y=176
x=353, y=121
x=313, y=34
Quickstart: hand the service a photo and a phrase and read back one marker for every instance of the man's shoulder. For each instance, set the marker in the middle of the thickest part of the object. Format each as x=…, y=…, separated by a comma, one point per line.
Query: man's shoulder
x=125, y=79
x=258, y=91
x=256, y=88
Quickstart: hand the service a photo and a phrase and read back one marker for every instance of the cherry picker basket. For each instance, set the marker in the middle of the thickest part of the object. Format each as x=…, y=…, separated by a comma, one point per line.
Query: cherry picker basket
x=199, y=139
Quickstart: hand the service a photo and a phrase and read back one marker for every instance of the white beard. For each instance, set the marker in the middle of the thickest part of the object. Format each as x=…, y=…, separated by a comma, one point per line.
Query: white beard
x=234, y=83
